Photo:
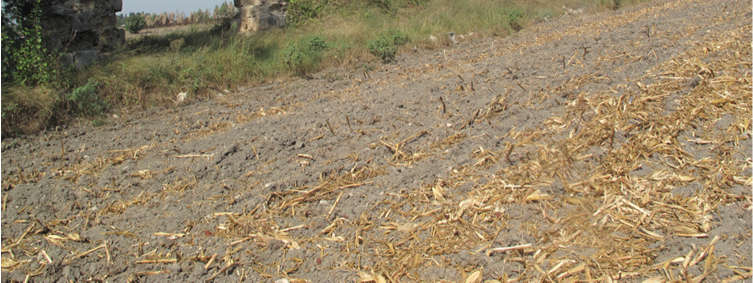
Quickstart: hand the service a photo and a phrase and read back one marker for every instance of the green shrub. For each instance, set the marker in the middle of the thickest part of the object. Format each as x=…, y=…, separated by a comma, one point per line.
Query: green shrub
x=85, y=100
x=386, y=44
x=386, y=5
x=304, y=55
x=135, y=23
x=612, y=4
x=514, y=18
x=300, y=11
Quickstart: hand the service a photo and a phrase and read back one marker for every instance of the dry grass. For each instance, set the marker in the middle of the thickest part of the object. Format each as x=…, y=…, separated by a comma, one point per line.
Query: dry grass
x=584, y=201
x=618, y=214
x=602, y=206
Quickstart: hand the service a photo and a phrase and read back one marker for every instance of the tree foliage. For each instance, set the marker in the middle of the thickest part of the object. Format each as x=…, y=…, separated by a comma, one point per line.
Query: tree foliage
x=135, y=23
x=201, y=16
x=25, y=59
x=300, y=11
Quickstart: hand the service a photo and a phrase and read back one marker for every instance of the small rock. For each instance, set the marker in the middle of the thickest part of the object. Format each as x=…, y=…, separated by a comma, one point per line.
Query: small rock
x=198, y=270
x=181, y=97
x=283, y=280
x=165, y=243
x=116, y=268
x=18, y=277
x=451, y=37
x=175, y=268
x=67, y=272
x=433, y=38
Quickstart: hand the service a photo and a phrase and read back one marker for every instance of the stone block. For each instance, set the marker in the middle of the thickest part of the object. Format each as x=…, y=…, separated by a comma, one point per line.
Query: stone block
x=257, y=15
x=82, y=28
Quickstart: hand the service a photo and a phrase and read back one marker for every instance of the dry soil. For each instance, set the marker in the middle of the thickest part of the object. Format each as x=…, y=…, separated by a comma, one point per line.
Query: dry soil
x=614, y=146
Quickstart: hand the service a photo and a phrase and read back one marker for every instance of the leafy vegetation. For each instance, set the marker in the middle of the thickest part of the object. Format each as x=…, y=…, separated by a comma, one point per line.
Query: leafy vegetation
x=85, y=99
x=26, y=60
x=386, y=44
x=514, y=18
x=300, y=11
x=135, y=23
x=305, y=54
x=167, y=19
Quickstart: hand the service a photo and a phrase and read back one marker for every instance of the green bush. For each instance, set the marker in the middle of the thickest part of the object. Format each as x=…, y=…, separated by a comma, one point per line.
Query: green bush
x=611, y=4
x=514, y=17
x=135, y=23
x=304, y=55
x=386, y=44
x=85, y=100
x=386, y=5
x=300, y=11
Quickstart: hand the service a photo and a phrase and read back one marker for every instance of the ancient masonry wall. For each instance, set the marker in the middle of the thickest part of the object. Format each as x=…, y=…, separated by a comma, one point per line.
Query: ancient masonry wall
x=257, y=15
x=82, y=29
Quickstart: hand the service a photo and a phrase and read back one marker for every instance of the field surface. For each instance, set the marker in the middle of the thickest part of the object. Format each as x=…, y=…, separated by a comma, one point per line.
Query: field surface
x=605, y=147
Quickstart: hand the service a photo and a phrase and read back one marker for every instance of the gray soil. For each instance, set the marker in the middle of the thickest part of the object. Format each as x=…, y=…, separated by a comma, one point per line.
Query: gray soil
x=226, y=178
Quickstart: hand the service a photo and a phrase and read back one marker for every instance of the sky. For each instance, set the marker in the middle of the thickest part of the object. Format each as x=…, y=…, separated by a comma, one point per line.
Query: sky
x=159, y=6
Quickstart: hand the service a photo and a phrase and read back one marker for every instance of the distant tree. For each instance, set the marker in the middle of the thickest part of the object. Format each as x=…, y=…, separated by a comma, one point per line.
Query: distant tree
x=170, y=19
x=200, y=16
x=135, y=23
x=225, y=11
x=149, y=20
x=182, y=18
x=192, y=17
x=121, y=19
x=204, y=16
x=162, y=20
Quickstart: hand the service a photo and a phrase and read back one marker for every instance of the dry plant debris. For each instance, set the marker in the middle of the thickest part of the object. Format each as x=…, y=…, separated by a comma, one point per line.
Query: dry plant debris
x=566, y=172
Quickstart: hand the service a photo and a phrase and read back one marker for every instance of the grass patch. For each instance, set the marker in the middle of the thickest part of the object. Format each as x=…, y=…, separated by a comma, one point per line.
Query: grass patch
x=152, y=69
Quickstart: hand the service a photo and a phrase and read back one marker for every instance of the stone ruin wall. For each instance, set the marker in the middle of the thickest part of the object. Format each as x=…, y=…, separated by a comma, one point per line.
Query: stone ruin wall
x=257, y=15
x=82, y=29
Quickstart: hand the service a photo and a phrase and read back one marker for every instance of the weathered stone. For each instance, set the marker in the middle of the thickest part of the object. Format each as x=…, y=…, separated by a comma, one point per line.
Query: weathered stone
x=83, y=58
x=82, y=29
x=256, y=15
